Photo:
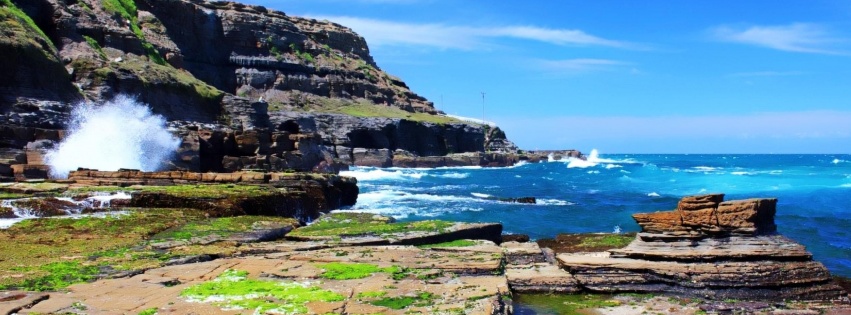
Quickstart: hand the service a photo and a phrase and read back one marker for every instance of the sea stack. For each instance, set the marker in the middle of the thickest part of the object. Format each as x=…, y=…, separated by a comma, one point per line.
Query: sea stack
x=708, y=248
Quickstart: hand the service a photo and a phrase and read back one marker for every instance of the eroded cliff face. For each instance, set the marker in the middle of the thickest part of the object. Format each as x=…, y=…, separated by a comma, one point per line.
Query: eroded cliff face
x=232, y=79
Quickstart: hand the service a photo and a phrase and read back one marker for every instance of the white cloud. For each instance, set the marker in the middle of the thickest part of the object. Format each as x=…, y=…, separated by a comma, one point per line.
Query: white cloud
x=442, y=36
x=796, y=37
x=580, y=65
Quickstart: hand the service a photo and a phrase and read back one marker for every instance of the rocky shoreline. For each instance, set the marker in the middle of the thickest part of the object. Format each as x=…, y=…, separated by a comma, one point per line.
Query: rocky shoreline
x=199, y=233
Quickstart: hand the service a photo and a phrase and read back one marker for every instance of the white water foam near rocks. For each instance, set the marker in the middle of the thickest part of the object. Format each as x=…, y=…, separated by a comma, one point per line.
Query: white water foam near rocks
x=120, y=133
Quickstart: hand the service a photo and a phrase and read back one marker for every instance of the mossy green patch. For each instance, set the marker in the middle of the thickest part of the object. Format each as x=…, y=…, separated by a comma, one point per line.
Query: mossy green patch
x=222, y=227
x=348, y=271
x=455, y=243
x=607, y=240
x=95, y=45
x=352, y=224
x=160, y=73
x=49, y=254
x=570, y=304
x=369, y=109
x=401, y=302
x=371, y=294
x=211, y=191
x=4, y=195
x=150, y=311
x=8, y=9
x=233, y=289
x=60, y=275
x=30, y=188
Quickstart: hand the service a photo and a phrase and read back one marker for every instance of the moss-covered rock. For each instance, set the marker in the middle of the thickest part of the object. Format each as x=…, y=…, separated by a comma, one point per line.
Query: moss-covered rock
x=30, y=65
x=233, y=199
x=366, y=228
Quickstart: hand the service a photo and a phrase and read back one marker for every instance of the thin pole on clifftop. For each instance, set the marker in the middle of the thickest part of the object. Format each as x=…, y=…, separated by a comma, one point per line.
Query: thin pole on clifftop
x=485, y=143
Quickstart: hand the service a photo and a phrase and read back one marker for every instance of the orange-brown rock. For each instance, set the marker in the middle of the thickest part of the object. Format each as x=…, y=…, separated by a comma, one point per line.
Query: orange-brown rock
x=752, y=216
x=708, y=248
x=699, y=210
x=659, y=222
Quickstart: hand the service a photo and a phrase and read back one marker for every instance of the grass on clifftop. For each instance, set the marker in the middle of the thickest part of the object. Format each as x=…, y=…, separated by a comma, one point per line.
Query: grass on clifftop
x=354, y=224
x=364, y=108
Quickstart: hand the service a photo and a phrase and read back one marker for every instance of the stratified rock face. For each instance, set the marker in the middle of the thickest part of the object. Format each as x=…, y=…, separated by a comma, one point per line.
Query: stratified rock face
x=224, y=75
x=708, y=247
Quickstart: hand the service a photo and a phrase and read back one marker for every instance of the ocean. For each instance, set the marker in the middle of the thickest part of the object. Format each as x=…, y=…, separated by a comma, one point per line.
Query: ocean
x=601, y=194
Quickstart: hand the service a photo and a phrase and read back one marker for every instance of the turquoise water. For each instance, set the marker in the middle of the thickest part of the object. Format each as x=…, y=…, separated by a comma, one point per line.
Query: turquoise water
x=600, y=195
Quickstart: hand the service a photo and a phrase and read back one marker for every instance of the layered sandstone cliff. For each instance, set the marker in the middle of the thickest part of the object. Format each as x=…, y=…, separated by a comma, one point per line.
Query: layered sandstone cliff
x=242, y=85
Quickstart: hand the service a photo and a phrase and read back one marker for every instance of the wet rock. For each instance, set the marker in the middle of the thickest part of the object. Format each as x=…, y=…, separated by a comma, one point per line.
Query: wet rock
x=520, y=238
x=46, y=207
x=13, y=301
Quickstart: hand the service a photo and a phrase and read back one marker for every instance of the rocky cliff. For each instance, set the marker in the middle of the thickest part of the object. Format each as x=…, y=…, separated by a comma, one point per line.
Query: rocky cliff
x=242, y=85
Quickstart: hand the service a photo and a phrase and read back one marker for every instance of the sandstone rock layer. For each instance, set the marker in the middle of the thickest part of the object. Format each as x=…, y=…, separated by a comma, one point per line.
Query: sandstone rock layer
x=710, y=248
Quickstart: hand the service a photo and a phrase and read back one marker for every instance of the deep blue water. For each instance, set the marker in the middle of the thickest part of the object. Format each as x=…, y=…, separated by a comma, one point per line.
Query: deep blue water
x=814, y=193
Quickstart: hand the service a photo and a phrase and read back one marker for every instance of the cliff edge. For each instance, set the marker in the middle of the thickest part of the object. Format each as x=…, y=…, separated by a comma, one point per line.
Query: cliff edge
x=244, y=87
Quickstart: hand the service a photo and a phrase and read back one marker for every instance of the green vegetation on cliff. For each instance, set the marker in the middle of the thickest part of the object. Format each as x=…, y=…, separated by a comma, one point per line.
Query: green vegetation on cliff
x=362, y=108
x=11, y=18
x=127, y=10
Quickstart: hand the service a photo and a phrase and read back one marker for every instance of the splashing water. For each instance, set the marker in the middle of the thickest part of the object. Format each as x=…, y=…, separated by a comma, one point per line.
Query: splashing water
x=121, y=133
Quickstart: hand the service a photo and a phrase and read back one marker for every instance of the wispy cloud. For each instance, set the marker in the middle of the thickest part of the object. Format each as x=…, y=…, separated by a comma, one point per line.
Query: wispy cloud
x=463, y=37
x=766, y=74
x=796, y=37
x=579, y=65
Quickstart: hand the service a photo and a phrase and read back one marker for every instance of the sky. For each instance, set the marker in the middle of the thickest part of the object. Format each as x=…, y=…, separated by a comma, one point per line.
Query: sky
x=621, y=76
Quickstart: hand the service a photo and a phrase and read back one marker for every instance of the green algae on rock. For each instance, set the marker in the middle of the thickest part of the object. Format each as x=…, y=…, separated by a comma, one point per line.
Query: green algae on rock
x=347, y=223
x=347, y=271
x=233, y=289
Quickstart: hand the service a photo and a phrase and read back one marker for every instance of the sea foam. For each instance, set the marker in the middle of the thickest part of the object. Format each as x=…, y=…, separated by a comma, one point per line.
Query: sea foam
x=121, y=133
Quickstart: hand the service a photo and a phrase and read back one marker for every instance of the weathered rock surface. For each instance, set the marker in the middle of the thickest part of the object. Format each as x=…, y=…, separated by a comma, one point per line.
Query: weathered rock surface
x=709, y=248
x=527, y=271
x=438, y=282
x=368, y=229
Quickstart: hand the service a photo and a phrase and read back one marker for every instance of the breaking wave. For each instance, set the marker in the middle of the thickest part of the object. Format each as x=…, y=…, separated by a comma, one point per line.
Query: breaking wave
x=121, y=133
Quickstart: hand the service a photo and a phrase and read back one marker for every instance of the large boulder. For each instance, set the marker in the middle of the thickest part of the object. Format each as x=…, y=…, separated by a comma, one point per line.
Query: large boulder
x=709, y=248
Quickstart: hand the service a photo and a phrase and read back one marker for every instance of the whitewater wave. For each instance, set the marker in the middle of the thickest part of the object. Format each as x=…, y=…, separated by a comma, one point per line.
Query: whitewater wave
x=593, y=159
x=554, y=202
x=480, y=195
x=96, y=201
x=120, y=133
x=376, y=174
x=653, y=194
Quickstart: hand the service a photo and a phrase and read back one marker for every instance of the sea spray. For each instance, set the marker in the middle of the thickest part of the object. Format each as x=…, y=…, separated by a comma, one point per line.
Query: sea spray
x=120, y=133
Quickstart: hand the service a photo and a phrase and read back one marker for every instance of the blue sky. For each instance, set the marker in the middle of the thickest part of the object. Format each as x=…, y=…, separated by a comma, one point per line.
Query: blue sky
x=622, y=76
